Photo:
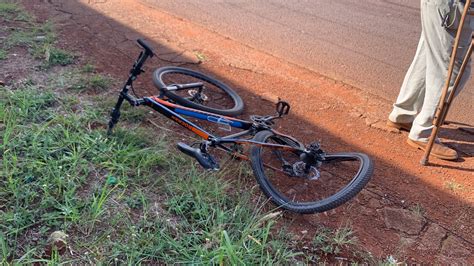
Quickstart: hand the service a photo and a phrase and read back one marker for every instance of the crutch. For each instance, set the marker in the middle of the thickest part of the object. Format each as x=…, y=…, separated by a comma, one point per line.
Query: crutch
x=456, y=83
x=445, y=103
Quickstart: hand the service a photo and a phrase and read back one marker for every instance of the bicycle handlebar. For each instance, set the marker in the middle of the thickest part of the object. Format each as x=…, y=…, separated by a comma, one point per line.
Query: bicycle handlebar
x=137, y=67
x=148, y=50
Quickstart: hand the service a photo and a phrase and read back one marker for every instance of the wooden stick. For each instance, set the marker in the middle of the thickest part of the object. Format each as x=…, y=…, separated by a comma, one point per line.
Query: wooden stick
x=456, y=83
x=441, y=104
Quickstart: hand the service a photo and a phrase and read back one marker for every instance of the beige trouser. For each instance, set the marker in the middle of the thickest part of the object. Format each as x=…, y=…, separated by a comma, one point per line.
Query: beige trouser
x=425, y=79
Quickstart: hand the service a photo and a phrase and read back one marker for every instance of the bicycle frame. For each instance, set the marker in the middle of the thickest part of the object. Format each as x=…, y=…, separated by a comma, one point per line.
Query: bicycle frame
x=175, y=112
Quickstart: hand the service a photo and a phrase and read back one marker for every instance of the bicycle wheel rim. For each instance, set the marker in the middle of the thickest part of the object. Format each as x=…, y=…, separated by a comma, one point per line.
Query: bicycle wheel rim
x=342, y=176
x=215, y=96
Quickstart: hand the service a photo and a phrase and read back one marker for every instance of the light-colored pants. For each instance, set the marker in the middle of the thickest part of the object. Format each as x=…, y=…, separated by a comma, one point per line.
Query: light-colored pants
x=423, y=84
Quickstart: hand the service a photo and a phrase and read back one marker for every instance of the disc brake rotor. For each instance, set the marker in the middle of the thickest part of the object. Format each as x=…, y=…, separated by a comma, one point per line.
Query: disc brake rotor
x=196, y=95
x=299, y=169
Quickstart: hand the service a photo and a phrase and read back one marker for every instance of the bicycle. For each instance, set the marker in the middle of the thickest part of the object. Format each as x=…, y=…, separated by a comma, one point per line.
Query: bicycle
x=295, y=177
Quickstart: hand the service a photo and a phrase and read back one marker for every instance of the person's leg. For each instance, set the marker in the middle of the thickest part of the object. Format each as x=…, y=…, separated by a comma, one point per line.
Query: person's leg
x=439, y=42
x=410, y=97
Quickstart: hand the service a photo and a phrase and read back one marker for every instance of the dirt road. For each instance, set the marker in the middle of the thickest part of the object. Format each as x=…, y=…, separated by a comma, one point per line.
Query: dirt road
x=415, y=213
x=368, y=44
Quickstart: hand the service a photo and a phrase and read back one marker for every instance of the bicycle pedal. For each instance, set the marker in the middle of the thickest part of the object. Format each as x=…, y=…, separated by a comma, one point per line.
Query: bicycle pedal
x=203, y=158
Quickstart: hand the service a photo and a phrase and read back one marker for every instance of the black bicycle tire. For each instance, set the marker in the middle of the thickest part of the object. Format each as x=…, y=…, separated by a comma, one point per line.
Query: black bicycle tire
x=234, y=111
x=340, y=197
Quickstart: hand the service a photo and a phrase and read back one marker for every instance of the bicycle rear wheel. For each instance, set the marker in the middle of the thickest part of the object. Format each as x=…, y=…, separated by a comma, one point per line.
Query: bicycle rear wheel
x=341, y=176
x=214, y=96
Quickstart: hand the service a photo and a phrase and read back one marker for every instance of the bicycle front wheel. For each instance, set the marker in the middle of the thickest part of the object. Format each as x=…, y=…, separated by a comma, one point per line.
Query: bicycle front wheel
x=281, y=176
x=214, y=96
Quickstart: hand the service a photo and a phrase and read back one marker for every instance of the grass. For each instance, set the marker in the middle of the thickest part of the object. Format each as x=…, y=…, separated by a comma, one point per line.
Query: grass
x=7, y=9
x=128, y=195
x=11, y=11
x=3, y=54
x=55, y=57
x=333, y=242
x=418, y=210
x=78, y=80
x=88, y=68
x=40, y=39
x=34, y=36
x=98, y=81
x=130, y=114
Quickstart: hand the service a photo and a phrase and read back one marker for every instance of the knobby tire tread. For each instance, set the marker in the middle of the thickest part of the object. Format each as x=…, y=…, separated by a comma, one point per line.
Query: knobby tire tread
x=238, y=102
x=331, y=202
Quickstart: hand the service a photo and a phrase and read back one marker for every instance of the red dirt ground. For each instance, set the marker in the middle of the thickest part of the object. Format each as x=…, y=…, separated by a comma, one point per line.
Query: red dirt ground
x=386, y=216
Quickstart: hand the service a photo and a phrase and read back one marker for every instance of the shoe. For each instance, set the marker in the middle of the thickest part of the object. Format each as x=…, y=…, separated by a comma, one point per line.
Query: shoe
x=439, y=150
x=399, y=126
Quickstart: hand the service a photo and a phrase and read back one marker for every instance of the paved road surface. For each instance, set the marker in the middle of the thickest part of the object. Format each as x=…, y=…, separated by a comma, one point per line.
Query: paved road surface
x=368, y=44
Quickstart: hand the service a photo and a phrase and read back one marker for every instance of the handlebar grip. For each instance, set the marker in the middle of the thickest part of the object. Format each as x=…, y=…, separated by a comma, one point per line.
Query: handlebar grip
x=148, y=50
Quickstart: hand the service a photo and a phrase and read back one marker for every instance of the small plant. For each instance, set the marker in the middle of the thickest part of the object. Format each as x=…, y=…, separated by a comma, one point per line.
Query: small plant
x=200, y=56
x=3, y=54
x=453, y=185
x=100, y=82
x=391, y=261
x=136, y=200
x=344, y=236
x=418, y=210
x=88, y=68
x=55, y=56
x=332, y=242
x=23, y=16
x=98, y=200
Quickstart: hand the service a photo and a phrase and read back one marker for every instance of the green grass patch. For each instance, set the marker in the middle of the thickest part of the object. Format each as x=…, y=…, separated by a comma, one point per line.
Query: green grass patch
x=36, y=37
x=77, y=80
x=40, y=40
x=55, y=56
x=99, y=82
x=333, y=242
x=88, y=68
x=129, y=113
x=3, y=54
x=123, y=199
x=11, y=11
x=83, y=82
x=49, y=156
x=8, y=9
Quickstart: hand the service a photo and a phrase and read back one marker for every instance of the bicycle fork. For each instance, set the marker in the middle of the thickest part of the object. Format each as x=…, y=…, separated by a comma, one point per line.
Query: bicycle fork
x=115, y=114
